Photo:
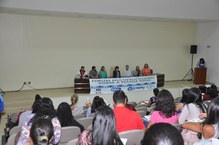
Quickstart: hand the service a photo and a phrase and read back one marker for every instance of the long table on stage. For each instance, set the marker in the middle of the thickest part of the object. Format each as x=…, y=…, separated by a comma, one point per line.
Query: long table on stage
x=83, y=85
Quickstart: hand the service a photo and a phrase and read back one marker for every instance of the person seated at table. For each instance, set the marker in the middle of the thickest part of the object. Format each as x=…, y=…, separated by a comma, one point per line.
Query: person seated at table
x=93, y=73
x=116, y=73
x=102, y=72
x=137, y=71
x=146, y=71
x=82, y=73
x=127, y=72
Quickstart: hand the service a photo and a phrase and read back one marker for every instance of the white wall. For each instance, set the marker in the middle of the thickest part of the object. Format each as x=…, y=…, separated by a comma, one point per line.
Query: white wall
x=49, y=50
x=208, y=48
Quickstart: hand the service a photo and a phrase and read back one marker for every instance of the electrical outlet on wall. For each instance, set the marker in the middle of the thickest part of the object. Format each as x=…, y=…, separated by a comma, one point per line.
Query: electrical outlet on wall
x=29, y=83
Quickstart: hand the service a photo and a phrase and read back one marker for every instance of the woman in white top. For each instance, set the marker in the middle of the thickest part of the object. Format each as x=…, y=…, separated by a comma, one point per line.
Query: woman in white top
x=193, y=107
x=191, y=112
x=76, y=110
x=209, y=128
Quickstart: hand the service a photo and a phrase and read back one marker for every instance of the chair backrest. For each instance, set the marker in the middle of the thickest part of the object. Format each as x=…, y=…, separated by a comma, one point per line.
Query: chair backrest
x=142, y=113
x=141, y=105
x=85, y=121
x=11, y=139
x=132, y=103
x=76, y=117
x=141, y=109
x=14, y=130
x=72, y=142
x=133, y=136
x=69, y=133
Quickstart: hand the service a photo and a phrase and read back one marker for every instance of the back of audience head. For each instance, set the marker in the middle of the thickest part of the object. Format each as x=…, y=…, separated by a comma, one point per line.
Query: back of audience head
x=156, y=91
x=64, y=114
x=185, y=95
x=116, y=68
x=195, y=96
x=212, y=113
x=162, y=134
x=104, y=128
x=44, y=107
x=42, y=131
x=165, y=103
x=97, y=102
x=37, y=97
x=74, y=99
x=119, y=97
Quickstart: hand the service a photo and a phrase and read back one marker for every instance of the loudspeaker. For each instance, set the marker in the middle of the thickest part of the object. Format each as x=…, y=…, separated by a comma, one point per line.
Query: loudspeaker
x=193, y=49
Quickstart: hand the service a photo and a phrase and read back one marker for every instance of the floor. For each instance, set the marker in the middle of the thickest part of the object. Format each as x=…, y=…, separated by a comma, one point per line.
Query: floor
x=17, y=101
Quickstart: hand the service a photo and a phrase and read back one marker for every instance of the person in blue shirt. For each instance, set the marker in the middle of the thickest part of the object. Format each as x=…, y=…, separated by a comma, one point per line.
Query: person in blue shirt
x=2, y=106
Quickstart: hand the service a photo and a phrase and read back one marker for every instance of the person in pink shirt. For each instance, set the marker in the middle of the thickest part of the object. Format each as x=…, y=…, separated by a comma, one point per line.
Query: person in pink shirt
x=164, y=109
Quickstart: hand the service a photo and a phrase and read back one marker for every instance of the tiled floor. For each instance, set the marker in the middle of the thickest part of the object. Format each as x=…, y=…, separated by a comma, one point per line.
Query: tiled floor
x=16, y=101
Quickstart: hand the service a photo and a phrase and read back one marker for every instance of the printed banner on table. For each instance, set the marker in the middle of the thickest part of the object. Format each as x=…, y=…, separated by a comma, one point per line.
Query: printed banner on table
x=110, y=85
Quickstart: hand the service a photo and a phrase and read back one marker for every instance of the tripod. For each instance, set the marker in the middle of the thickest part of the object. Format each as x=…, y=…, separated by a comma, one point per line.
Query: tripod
x=2, y=92
x=190, y=72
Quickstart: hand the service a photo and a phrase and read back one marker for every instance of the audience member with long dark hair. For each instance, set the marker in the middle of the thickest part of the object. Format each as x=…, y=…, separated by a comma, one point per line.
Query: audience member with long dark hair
x=209, y=128
x=183, y=101
x=45, y=108
x=164, y=109
x=103, y=129
x=162, y=134
x=97, y=102
x=41, y=132
x=65, y=116
x=191, y=112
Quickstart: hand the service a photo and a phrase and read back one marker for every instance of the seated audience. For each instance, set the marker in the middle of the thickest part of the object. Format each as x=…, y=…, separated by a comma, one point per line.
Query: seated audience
x=193, y=107
x=82, y=73
x=129, y=106
x=76, y=110
x=126, y=119
x=41, y=132
x=44, y=107
x=209, y=127
x=116, y=73
x=97, y=102
x=93, y=73
x=65, y=116
x=103, y=129
x=162, y=134
x=165, y=109
x=24, y=114
x=102, y=72
x=183, y=101
x=137, y=71
x=146, y=71
x=127, y=72
x=154, y=98
x=190, y=112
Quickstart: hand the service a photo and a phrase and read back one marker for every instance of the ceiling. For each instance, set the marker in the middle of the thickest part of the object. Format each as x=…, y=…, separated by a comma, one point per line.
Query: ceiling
x=173, y=10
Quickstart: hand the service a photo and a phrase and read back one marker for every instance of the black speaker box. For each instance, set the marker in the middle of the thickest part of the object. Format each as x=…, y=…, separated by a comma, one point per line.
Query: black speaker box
x=193, y=49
